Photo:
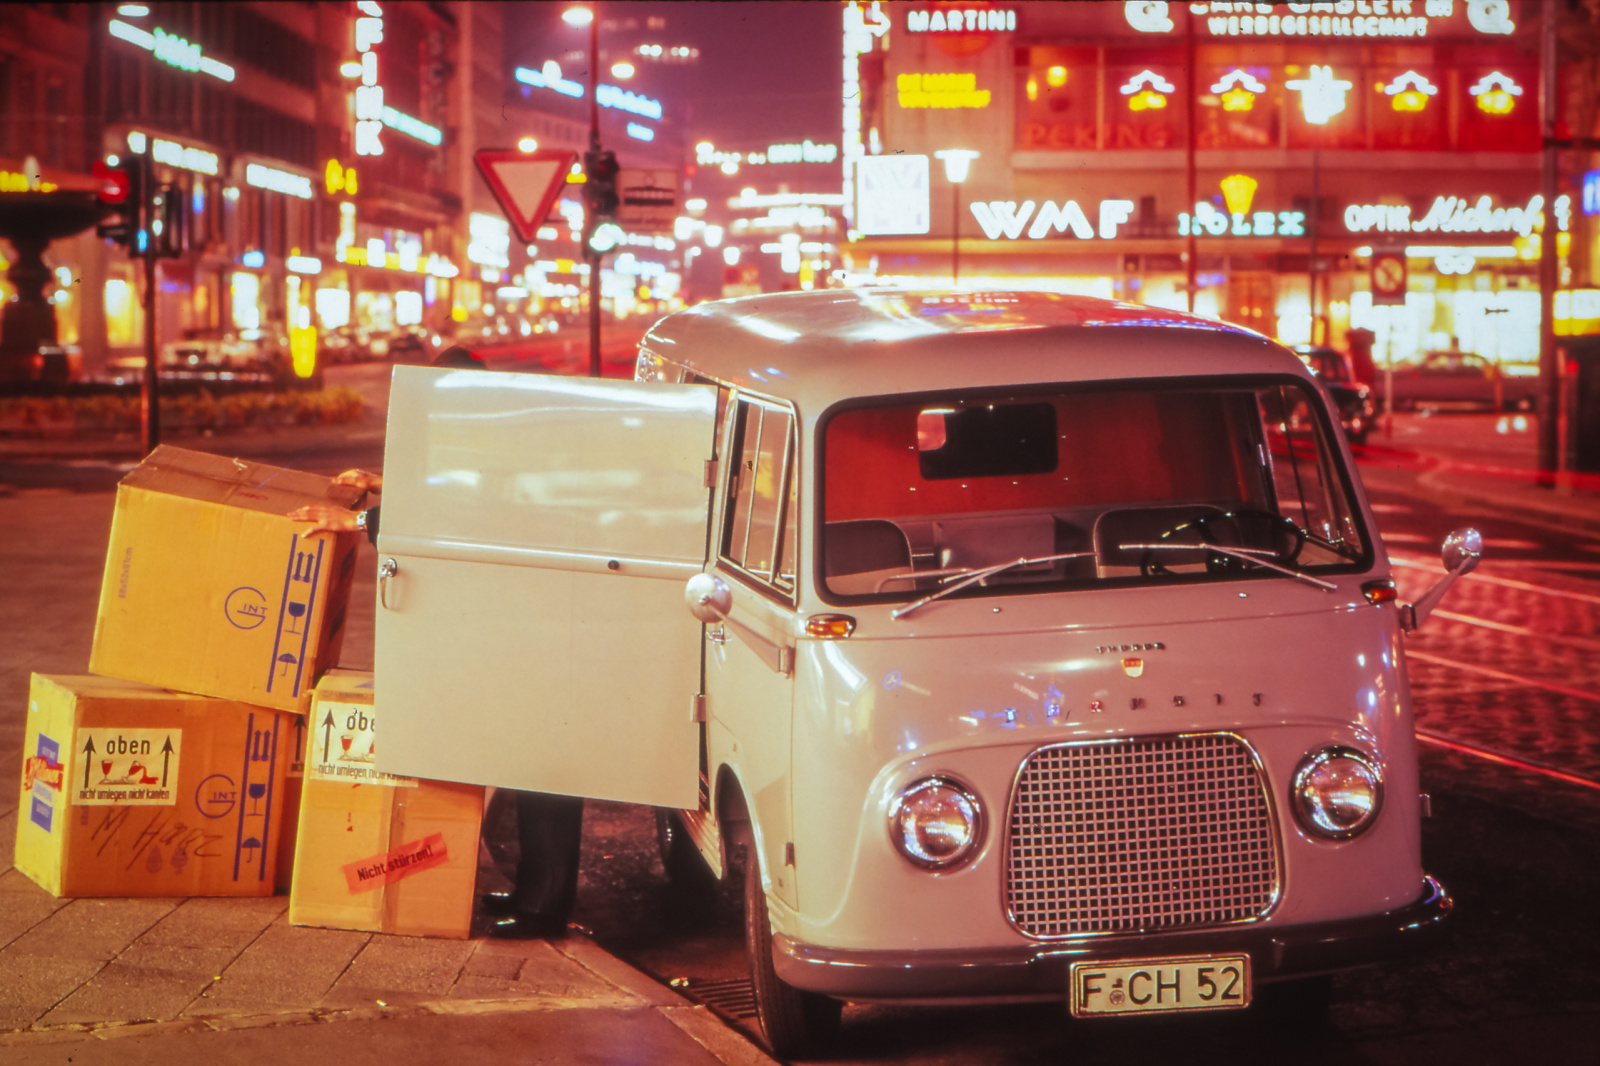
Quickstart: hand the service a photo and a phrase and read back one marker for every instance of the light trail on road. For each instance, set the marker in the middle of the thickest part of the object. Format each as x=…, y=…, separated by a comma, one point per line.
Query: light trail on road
x=1488, y=671
x=1503, y=582
x=1495, y=755
x=1521, y=631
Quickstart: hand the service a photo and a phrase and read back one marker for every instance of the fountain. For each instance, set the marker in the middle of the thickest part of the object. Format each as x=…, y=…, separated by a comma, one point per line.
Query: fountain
x=30, y=221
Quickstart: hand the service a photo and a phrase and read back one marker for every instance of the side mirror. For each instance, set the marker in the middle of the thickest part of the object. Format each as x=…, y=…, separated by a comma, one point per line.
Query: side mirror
x=1460, y=554
x=708, y=597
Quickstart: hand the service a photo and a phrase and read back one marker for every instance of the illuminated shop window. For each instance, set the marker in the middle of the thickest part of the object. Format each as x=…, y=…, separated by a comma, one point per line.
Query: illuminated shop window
x=1496, y=112
x=1237, y=109
x=1415, y=117
x=1055, y=104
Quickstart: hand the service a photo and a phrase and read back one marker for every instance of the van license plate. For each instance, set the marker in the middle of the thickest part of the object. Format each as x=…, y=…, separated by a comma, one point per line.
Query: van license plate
x=1160, y=986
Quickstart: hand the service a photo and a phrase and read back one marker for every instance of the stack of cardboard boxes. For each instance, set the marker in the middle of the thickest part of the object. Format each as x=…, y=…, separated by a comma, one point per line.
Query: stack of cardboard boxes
x=216, y=753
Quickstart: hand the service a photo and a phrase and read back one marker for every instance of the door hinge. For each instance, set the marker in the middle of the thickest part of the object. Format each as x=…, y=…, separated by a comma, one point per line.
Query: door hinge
x=697, y=707
x=710, y=475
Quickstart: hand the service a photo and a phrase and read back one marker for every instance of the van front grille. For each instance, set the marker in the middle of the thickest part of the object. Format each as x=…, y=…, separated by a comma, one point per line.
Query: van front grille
x=1154, y=833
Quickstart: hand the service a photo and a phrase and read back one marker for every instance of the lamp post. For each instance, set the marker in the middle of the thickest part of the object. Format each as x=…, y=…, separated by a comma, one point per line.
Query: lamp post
x=590, y=16
x=957, y=163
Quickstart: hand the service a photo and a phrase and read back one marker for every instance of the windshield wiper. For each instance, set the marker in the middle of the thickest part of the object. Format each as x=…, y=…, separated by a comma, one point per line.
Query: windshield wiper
x=1249, y=555
x=973, y=576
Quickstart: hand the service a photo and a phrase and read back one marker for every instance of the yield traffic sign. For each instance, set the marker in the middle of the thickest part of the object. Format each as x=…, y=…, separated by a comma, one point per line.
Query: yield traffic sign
x=525, y=183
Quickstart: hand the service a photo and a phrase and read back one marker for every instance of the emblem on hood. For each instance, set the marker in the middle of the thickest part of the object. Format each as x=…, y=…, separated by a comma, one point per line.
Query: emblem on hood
x=1133, y=666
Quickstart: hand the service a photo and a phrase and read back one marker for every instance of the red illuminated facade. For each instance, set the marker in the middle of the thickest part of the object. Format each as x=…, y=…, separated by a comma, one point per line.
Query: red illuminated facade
x=1417, y=123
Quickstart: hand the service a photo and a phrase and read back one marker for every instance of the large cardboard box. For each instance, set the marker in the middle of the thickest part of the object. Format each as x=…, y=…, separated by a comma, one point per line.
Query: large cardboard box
x=378, y=852
x=209, y=588
x=131, y=790
x=293, y=787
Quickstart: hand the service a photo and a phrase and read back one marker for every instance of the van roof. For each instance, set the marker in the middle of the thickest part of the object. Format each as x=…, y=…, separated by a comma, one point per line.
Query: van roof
x=817, y=348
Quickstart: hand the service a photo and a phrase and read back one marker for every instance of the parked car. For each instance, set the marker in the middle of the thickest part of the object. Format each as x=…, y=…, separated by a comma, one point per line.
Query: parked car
x=1460, y=378
x=1351, y=398
x=1024, y=645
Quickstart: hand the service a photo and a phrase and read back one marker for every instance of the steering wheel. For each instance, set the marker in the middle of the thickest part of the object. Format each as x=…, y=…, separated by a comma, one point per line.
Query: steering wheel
x=1233, y=529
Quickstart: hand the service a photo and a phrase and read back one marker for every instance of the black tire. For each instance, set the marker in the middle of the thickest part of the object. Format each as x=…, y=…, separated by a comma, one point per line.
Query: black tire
x=795, y=1023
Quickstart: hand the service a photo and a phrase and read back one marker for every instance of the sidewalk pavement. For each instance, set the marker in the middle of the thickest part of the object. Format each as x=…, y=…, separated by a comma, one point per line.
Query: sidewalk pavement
x=229, y=980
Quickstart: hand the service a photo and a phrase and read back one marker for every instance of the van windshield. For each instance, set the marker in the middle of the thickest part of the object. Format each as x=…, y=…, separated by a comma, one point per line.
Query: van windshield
x=975, y=495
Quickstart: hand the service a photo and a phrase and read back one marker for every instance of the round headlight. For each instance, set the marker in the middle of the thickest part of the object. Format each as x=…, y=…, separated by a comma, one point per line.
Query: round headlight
x=936, y=824
x=1337, y=793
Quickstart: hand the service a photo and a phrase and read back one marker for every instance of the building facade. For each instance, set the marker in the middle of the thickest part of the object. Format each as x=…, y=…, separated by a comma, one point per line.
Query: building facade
x=1360, y=163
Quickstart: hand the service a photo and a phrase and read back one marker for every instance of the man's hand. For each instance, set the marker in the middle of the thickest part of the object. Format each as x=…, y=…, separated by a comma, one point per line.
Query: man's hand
x=361, y=479
x=326, y=517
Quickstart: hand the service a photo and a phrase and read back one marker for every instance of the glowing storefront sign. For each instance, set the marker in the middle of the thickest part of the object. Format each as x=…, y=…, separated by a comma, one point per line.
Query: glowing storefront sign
x=1452, y=214
x=940, y=91
x=892, y=194
x=11, y=181
x=1208, y=220
x=368, y=95
x=340, y=179
x=171, y=49
x=1591, y=192
x=1410, y=91
x=1321, y=94
x=1339, y=18
x=1006, y=218
x=173, y=154
x=967, y=20
x=1238, y=90
x=264, y=177
x=1145, y=91
x=411, y=127
x=549, y=76
x=490, y=241
x=860, y=28
x=1496, y=93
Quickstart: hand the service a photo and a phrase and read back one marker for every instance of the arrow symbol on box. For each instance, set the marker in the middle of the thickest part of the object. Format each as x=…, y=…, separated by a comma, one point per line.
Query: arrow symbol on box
x=327, y=735
x=88, y=759
x=166, y=756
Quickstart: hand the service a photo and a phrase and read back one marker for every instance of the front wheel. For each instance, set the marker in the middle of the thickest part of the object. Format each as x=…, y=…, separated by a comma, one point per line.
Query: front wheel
x=795, y=1023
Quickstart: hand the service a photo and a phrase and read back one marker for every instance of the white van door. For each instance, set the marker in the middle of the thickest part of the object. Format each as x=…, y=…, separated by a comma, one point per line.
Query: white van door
x=536, y=534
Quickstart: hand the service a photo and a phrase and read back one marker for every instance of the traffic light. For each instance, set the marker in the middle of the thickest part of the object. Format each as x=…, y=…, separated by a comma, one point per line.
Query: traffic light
x=600, y=185
x=121, y=188
x=167, y=217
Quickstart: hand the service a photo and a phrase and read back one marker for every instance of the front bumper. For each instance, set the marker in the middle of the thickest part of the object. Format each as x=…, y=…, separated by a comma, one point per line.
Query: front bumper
x=1040, y=969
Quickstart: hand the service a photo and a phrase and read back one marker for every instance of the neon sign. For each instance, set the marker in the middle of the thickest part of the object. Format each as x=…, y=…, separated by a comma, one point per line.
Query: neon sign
x=1410, y=91
x=1207, y=219
x=969, y=20
x=1006, y=218
x=860, y=27
x=940, y=91
x=339, y=178
x=369, y=94
x=1238, y=90
x=1452, y=214
x=550, y=77
x=1495, y=93
x=1340, y=18
x=1321, y=94
x=277, y=180
x=171, y=49
x=411, y=127
x=1144, y=91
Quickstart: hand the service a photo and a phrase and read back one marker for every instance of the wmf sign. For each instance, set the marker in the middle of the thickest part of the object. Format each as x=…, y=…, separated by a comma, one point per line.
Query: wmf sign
x=891, y=194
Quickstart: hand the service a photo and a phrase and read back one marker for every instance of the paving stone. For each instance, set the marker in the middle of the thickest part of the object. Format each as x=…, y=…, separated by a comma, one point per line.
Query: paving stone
x=286, y=967
x=400, y=965
x=23, y=904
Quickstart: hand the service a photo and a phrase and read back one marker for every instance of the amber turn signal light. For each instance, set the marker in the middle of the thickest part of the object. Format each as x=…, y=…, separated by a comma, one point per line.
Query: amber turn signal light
x=1379, y=593
x=830, y=626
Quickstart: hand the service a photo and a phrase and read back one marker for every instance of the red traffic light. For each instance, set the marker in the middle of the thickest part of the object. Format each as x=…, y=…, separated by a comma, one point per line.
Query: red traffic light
x=115, y=184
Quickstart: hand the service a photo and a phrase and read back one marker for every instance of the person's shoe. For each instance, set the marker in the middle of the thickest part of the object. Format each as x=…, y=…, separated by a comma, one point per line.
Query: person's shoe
x=529, y=927
x=501, y=904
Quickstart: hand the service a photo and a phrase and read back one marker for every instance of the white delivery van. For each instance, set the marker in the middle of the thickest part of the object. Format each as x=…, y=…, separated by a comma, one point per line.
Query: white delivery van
x=1027, y=645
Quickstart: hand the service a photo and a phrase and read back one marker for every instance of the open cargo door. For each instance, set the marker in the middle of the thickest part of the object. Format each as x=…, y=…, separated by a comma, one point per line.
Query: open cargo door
x=536, y=536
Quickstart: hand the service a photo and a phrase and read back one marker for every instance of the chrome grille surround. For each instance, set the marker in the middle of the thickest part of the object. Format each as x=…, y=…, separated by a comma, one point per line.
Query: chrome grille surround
x=1140, y=835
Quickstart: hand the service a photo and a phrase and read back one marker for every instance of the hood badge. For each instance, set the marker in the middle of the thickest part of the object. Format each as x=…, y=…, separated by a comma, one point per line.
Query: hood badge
x=1133, y=666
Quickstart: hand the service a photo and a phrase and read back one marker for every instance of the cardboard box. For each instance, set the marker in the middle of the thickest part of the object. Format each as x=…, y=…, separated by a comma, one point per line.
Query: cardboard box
x=293, y=787
x=131, y=790
x=209, y=588
x=375, y=851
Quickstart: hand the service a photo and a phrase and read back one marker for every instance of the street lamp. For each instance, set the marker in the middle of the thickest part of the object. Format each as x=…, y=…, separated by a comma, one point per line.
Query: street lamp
x=957, y=162
x=587, y=16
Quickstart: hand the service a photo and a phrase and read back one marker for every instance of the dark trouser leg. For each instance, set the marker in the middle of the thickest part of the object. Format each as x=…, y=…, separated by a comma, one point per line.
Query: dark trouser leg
x=549, y=829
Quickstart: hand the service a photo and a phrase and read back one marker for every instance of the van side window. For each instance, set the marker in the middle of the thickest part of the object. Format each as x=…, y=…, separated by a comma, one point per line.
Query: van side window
x=760, y=493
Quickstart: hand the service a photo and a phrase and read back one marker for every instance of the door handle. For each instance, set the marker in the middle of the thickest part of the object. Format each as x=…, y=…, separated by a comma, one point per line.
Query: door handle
x=386, y=569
